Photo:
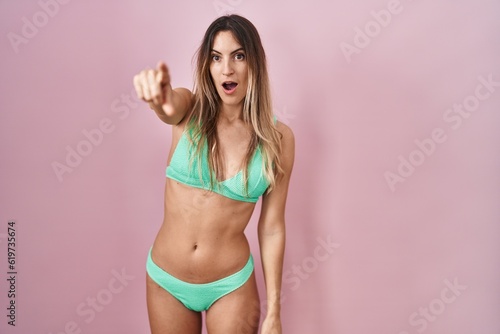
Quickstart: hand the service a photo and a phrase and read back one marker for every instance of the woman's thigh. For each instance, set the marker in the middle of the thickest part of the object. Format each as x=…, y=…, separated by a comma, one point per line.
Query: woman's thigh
x=167, y=314
x=237, y=312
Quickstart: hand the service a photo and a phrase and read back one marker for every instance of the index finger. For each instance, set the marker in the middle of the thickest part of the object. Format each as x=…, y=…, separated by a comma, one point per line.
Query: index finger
x=163, y=75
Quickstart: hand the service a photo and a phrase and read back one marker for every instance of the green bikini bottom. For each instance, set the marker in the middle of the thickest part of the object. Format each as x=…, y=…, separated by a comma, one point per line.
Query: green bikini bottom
x=198, y=297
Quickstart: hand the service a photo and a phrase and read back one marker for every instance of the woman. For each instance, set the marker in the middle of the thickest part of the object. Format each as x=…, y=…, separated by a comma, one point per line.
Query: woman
x=227, y=150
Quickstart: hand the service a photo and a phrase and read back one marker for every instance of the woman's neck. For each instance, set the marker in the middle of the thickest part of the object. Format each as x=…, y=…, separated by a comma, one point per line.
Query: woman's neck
x=230, y=114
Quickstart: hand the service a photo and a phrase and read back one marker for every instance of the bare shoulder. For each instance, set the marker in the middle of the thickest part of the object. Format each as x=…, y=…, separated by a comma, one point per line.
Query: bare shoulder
x=185, y=93
x=273, y=204
x=285, y=130
x=186, y=96
x=288, y=141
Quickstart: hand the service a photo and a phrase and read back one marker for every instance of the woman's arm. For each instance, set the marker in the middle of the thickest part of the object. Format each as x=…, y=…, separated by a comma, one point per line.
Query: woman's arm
x=153, y=86
x=271, y=232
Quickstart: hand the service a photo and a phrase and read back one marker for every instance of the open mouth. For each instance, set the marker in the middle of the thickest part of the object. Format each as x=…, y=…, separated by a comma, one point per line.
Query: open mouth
x=229, y=86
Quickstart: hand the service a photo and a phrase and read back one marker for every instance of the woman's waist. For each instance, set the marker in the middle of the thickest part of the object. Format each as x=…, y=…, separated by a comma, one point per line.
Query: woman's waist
x=199, y=258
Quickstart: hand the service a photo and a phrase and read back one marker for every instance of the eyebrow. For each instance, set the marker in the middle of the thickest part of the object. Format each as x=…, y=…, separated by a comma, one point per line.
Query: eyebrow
x=240, y=49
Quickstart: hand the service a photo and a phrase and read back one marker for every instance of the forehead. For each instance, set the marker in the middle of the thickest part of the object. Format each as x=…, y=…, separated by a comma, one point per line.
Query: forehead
x=225, y=42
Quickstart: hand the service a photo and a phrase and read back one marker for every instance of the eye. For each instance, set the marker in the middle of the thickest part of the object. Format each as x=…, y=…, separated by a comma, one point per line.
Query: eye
x=239, y=56
x=215, y=57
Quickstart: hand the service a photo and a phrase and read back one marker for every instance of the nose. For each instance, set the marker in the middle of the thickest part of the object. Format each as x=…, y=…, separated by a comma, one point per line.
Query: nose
x=227, y=68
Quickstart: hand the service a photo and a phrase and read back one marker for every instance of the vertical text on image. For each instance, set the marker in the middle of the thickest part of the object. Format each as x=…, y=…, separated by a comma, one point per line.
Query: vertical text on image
x=12, y=272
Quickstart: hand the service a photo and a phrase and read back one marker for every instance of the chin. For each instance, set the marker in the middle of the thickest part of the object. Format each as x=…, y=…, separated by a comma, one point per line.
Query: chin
x=232, y=102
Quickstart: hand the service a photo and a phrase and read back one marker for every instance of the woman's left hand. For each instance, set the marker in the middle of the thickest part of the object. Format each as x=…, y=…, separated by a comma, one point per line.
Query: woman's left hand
x=271, y=325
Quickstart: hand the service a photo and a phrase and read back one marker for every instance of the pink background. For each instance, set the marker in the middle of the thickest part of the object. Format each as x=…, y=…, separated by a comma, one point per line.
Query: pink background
x=391, y=253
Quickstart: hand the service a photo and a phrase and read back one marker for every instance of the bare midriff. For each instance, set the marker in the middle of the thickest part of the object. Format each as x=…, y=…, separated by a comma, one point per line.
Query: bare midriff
x=202, y=236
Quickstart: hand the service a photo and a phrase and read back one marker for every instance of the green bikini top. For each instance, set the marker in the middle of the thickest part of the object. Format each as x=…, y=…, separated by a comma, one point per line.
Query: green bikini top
x=234, y=187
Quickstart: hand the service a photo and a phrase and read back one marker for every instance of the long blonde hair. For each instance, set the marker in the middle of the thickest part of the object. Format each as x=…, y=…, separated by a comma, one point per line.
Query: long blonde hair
x=257, y=106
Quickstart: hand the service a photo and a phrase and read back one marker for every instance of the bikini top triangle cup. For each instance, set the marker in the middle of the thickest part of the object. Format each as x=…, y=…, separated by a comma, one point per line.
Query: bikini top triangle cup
x=181, y=170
